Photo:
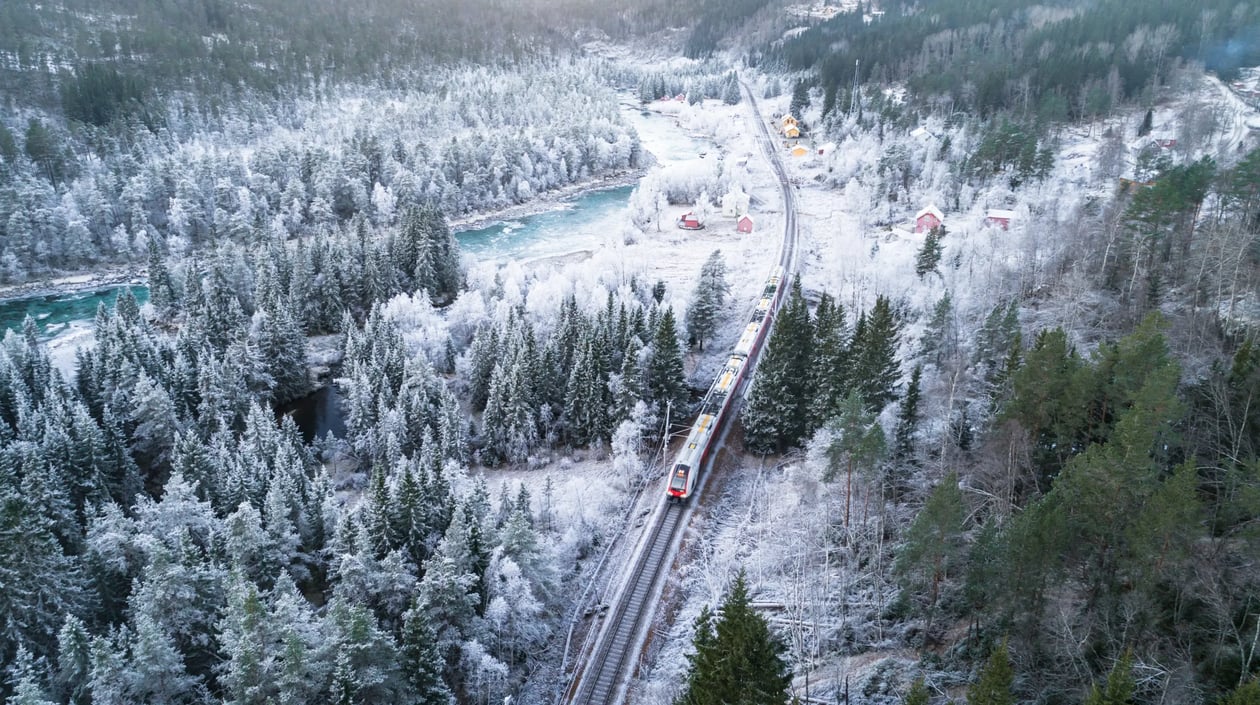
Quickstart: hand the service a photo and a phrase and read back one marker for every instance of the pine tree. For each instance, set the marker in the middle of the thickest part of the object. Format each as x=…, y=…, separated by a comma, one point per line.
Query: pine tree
x=908, y=419
x=587, y=404
x=1120, y=685
x=829, y=361
x=874, y=354
x=1246, y=694
x=421, y=661
x=800, y=100
x=737, y=659
x=918, y=694
x=779, y=413
x=934, y=546
x=157, y=670
x=929, y=255
x=42, y=585
x=664, y=370
x=24, y=681
x=281, y=343
x=161, y=287
x=74, y=662
x=707, y=299
x=994, y=684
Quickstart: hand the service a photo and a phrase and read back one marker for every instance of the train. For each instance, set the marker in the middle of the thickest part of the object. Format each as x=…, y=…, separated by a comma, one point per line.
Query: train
x=685, y=470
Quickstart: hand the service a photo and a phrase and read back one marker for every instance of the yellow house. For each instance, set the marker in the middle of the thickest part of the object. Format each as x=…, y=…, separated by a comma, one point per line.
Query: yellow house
x=791, y=131
x=799, y=151
x=788, y=120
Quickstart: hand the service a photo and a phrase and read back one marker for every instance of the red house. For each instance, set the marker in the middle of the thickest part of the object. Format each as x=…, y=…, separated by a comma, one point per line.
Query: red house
x=689, y=221
x=745, y=224
x=927, y=219
x=1001, y=217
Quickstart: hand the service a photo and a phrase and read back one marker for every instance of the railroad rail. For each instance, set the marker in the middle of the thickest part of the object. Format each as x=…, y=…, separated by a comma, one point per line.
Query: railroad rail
x=613, y=660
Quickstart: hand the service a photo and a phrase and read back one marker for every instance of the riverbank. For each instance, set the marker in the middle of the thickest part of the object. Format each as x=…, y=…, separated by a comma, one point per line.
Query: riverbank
x=75, y=283
x=552, y=200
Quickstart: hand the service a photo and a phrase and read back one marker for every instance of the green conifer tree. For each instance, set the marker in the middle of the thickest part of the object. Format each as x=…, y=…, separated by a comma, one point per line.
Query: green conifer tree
x=1120, y=685
x=994, y=684
x=874, y=354
x=664, y=373
x=738, y=661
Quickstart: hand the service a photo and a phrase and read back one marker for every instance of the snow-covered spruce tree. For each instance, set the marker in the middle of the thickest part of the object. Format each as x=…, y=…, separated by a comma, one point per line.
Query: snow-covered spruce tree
x=778, y=412
x=929, y=256
x=873, y=353
x=908, y=419
x=829, y=361
x=281, y=344
x=707, y=299
x=737, y=658
x=43, y=584
x=425, y=255
x=663, y=372
x=24, y=681
x=422, y=661
x=587, y=400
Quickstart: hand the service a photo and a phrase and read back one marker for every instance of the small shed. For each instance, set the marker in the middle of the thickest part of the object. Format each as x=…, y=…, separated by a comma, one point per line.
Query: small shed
x=689, y=221
x=927, y=219
x=799, y=150
x=745, y=224
x=998, y=216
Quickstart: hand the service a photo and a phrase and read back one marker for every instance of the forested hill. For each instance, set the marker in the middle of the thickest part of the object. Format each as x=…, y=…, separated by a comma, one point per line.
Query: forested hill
x=1053, y=61
x=85, y=53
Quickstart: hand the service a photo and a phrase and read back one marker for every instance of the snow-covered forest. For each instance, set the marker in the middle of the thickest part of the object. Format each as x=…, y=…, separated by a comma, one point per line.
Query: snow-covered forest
x=464, y=140
x=1002, y=445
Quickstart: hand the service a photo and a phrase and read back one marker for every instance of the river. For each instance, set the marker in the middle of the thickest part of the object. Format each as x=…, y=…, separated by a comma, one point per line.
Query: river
x=54, y=313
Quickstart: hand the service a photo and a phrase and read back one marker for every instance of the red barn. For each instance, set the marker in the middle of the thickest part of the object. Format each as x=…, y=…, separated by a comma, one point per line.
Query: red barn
x=927, y=219
x=745, y=224
x=1001, y=217
x=689, y=221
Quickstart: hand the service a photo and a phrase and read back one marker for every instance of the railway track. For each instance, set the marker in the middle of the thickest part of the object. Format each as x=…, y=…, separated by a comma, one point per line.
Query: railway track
x=787, y=250
x=613, y=659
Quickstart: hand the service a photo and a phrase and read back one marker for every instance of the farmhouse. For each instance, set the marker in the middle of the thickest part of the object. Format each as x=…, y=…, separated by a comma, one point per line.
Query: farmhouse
x=927, y=219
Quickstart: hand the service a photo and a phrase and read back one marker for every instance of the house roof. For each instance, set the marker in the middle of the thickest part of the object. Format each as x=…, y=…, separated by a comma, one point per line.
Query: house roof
x=930, y=210
x=744, y=217
x=1001, y=213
